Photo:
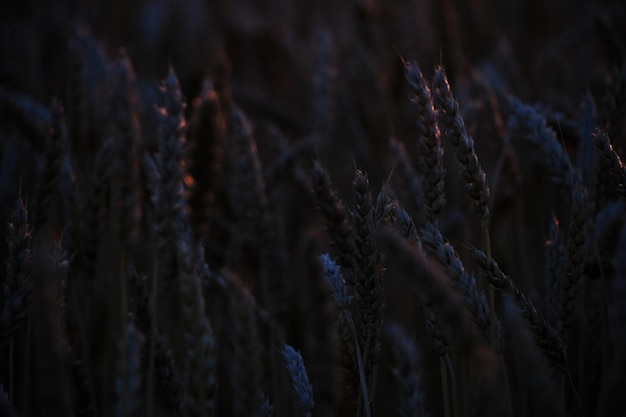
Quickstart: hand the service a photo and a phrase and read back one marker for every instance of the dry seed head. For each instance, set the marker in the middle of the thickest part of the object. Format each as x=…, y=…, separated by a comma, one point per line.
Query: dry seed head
x=368, y=278
x=201, y=367
x=404, y=221
x=299, y=380
x=335, y=215
x=207, y=135
x=18, y=285
x=436, y=247
x=431, y=319
x=429, y=144
x=453, y=128
x=546, y=336
x=252, y=205
x=246, y=373
x=51, y=174
x=167, y=376
x=555, y=270
x=125, y=133
x=383, y=211
x=526, y=124
x=612, y=170
x=334, y=277
x=406, y=372
x=169, y=189
x=576, y=245
x=128, y=383
x=348, y=358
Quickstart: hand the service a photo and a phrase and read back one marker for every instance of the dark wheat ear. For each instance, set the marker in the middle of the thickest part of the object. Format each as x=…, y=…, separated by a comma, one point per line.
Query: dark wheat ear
x=527, y=126
x=53, y=157
x=60, y=262
x=207, y=131
x=245, y=370
x=128, y=381
x=429, y=144
x=89, y=70
x=253, y=208
x=170, y=163
x=166, y=375
x=612, y=172
x=350, y=358
x=336, y=217
x=322, y=344
x=555, y=271
x=96, y=191
x=125, y=135
x=614, y=106
x=529, y=365
x=200, y=385
x=453, y=129
x=437, y=247
x=367, y=280
x=406, y=225
x=576, y=246
x=18, y=286
x=547, y=337
x=299, y=380
x=406, y=372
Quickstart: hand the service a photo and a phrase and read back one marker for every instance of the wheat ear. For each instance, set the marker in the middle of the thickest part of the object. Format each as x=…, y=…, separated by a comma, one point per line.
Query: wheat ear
x=576, y=245
x=299, y=380
x=406, y=372
x=18, y=285
x=546, y=336
x=351, y=357
x=429, y=143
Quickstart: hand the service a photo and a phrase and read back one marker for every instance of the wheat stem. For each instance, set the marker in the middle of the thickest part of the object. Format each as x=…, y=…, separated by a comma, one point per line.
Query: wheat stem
x=445, y=387
x=453, y=386
x=11, y=369
x=151, y=350
x=492, y=296
x=578, y=404
x=359, y=358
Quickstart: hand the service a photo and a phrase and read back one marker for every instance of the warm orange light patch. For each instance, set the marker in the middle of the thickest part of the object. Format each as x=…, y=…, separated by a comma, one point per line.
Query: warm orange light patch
x=188, y=180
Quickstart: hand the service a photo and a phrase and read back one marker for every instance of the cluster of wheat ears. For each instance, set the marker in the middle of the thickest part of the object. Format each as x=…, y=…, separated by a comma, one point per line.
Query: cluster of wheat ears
x=156, y=277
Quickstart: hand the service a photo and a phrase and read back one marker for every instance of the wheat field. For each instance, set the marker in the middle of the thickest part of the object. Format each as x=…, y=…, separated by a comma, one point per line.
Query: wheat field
x=290, y=208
